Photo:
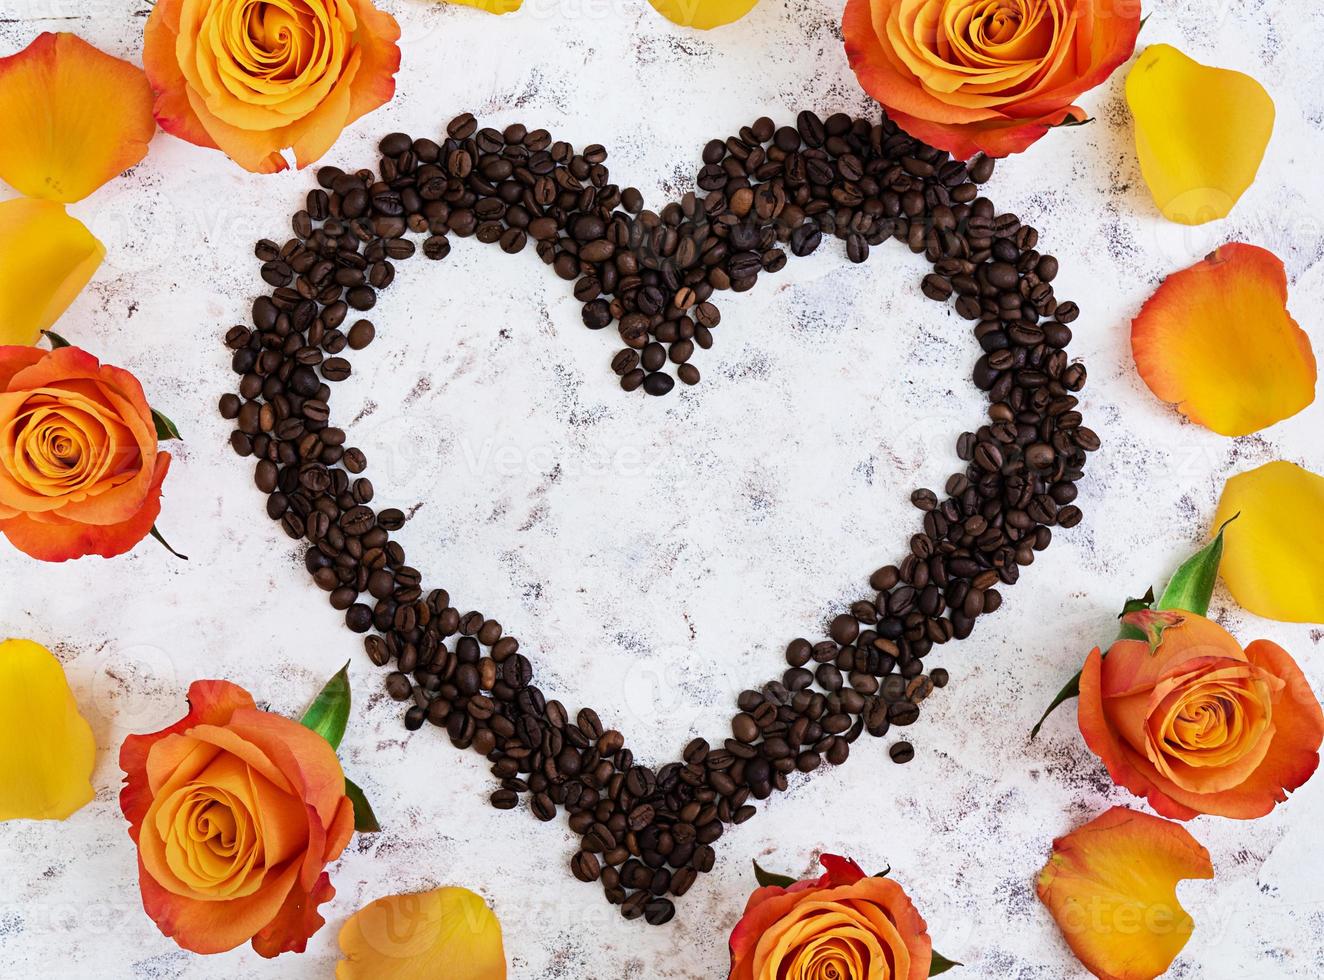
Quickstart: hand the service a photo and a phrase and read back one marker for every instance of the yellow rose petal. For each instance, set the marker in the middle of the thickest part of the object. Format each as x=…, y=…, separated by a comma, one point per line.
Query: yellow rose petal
x=46, y=258
x=1217, y=341
x=491, y=6
x=1200, y=132
x=703, y=14
x=1111, y=886
x=446, y=933
x=1273, y=554
x=46, y=747
x=74, y=118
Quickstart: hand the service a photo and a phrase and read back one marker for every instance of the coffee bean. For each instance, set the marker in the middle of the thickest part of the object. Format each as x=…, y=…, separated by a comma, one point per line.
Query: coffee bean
x=902, y=752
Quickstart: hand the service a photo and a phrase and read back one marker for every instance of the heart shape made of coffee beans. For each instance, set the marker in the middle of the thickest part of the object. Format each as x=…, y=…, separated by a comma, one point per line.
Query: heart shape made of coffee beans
x=646, y=833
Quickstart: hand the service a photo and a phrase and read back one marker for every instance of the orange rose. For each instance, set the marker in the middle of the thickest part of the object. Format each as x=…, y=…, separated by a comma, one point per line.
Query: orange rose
x=843, y=924
x=985, y=75
x=79, y=469
x=235, y=813
x=1198, y=725
x=252, y=77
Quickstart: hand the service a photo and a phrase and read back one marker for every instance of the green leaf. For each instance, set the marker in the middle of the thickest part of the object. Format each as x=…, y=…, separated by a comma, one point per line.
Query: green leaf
x=329, y=713
x=165, y=429
x=365, y=821
x=1072, y=687
x=56, y=340
x=766, y=878
x=941, y=964
x=166, y=544
x=1192, y=585
x=884, y=873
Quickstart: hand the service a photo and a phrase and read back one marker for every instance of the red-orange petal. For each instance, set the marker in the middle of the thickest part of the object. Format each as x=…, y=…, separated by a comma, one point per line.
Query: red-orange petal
x=74, y=118
x=1111, y=886
x=161, y=62
x=1217, y=341
x=297, y=920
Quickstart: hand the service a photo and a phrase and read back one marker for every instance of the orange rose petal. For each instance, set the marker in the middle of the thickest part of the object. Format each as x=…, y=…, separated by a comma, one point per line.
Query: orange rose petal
x=1273, y=557
x=374, y=86
x=302, y=754
x=215, y=927
x=161, y=63
x=1111, y=886
x=1131, y=667
x=74, y=118
x=210, y=702
x=297, y=920
x=1217, y=341
x=46, y=258
x=61, y=542
x=920, y=59
x=1126, y=767
x=318, y=131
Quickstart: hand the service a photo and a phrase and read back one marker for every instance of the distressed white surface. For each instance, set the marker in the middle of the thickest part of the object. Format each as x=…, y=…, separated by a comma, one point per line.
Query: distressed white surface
x=654, y=556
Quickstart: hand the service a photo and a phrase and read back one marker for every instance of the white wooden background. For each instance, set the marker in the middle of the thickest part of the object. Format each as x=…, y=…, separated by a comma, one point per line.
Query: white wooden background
x=654, y=556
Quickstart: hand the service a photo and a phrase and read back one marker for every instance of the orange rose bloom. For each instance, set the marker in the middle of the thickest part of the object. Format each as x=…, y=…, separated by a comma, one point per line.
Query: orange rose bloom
x=1198, y=725
x=235, y=813
x=843, y=924
x=79, y=469
x=252, y=77
x=985, y=75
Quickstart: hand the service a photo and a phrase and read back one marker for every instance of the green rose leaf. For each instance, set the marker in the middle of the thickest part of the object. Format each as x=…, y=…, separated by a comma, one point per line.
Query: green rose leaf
x=766, y=878
x=166, y=544
x=365, y=821
x=1072, y=687
x=56, y=340
x=1192, y=585
x=165, y=429
x=941, y=964
x=329, y=713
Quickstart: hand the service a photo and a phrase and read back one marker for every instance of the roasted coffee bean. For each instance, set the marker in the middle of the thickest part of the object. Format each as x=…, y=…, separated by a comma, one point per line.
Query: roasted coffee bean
x=902, y=752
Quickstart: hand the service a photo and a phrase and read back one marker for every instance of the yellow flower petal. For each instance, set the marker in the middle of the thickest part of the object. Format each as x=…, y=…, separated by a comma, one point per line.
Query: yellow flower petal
x=1111, y=886
x=1273, y=554
x=703, y=14
x=1217, y=341
x=74, y=118
x=491, y=6
x=1200, y=132
x=46, y=258
x=444, y=934
x=46, y=747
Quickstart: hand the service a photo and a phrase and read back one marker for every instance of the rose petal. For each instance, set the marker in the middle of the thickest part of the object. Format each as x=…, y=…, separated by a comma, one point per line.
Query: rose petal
x=210, y=703
x=48, y=538
x=1200, y=132
x=46, y=746
x=703, y=14
x=1273, y=554
x=160, y=62
x=1111, y=886
x=74, y=118
x=491, y=6
x=1217, y=341
x=297, y=920
x=405, y=937
x=46, y=258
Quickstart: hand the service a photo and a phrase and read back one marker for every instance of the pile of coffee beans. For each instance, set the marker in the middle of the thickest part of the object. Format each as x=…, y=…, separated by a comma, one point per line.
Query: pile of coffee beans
x=645, y=834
